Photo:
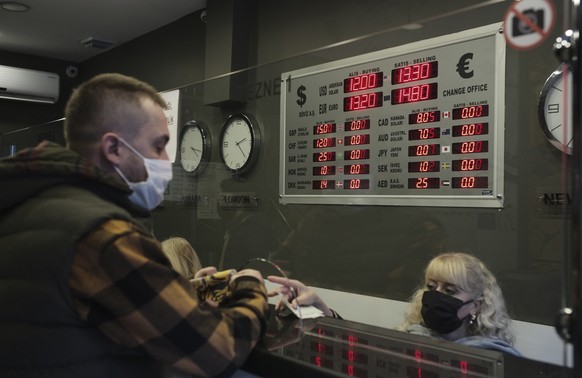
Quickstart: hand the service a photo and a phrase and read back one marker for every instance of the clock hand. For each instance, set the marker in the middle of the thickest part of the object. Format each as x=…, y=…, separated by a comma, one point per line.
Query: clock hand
x=241, y=150
x=195, y=150
x=238, y=145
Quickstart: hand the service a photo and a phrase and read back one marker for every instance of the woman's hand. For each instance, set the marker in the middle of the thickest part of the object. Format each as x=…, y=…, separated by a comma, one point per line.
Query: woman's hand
x=297, y=294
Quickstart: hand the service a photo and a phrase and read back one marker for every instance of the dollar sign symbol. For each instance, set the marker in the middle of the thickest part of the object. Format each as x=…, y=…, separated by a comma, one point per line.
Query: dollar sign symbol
x=301, y=95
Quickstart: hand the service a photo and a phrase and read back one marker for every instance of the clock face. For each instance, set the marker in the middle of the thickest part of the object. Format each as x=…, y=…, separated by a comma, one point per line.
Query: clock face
x=554, y=109
x=239, y=143
x=194, y=147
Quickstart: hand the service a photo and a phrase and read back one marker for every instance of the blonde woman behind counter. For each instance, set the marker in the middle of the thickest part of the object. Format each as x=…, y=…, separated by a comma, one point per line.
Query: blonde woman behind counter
x=460, y=301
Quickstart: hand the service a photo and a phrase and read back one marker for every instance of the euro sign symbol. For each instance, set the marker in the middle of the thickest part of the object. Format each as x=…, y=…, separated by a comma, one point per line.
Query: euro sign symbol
x=302, y=97
x=463, y=66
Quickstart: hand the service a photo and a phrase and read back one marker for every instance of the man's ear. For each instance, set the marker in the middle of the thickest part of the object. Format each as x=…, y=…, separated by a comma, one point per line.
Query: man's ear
x=110, y=148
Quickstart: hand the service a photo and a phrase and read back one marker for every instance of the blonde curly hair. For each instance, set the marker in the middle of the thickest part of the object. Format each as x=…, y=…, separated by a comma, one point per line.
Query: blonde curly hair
x=469, y=274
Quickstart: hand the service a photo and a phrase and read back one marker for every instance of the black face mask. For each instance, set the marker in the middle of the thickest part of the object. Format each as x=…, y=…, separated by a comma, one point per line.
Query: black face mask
x=439, y=311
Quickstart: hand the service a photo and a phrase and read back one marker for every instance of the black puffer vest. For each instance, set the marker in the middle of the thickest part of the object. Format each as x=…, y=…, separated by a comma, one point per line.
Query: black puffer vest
x=37, y=240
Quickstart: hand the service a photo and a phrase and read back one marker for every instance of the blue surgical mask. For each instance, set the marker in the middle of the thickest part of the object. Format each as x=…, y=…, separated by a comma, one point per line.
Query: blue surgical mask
x=149, y=193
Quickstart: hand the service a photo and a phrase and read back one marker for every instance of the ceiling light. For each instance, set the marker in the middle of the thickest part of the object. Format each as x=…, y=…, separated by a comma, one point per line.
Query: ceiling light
x=412, y=26
x=13, y=6
x=97, y=43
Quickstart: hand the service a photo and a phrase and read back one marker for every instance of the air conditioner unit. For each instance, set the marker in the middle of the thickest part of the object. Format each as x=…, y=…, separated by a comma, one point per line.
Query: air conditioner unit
x=28, y=85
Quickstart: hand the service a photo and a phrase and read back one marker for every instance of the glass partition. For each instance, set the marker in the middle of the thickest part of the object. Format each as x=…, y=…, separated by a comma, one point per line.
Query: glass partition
x=375, y=249
x=423, y=165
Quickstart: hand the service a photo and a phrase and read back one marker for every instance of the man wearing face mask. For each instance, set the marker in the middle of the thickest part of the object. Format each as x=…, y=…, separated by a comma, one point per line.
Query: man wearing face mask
x=85, y=289
x=461, y=302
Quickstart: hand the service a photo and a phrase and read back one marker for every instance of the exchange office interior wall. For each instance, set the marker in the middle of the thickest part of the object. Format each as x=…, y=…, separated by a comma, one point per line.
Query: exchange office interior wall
x=521, y=244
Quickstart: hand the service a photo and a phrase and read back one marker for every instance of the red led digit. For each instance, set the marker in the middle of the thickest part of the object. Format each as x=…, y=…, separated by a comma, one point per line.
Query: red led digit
x=424, y=134
x=323, y=184
x=414, y=93
x=363, y=101
x=415, y=72
x=357, y=169
x=470, y=147
x=471, y=112
x=363, y=82
x=360, y=124
x=424, y=150
x=324, y=128
x=324, y=142
x=469, y=182
x=356, y=184
x=357, y=139
x=471, y=129
x=471, y=165
x=424, y=117
x=357, y=154
x=464, y=367
x=324, y=170
x=424, y=166
x=324, y=156
x=423, y=183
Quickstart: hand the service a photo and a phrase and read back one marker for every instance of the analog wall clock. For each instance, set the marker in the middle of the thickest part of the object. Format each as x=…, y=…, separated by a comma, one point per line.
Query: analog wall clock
x=195, y=147
x=555, y=109
x=240, y=142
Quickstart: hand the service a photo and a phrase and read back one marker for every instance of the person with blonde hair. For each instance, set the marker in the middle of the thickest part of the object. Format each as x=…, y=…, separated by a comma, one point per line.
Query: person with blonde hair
x=182, y=256
x=461, y=301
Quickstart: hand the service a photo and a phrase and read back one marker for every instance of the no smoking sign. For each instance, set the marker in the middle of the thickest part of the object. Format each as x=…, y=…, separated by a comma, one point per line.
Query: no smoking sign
x=528, y=22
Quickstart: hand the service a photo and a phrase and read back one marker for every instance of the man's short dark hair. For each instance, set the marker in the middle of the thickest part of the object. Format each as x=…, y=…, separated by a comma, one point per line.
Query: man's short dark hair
x=107, y=102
